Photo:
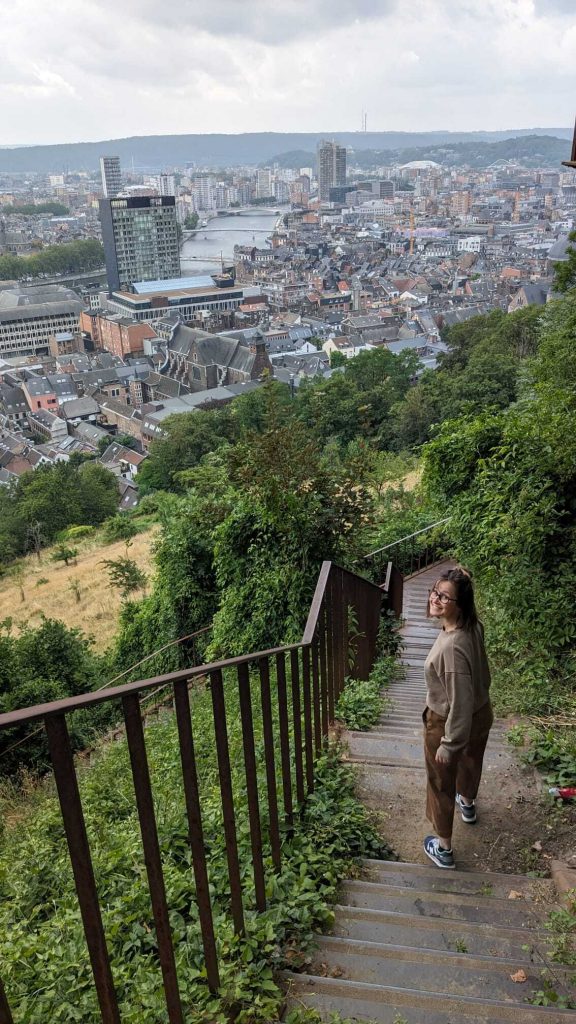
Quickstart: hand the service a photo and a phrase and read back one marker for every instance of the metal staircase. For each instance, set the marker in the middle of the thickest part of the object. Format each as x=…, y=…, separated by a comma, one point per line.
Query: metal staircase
x=412, y=944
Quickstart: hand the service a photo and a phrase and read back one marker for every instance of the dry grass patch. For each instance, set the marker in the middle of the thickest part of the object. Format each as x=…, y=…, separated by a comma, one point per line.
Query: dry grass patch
x=79, y=594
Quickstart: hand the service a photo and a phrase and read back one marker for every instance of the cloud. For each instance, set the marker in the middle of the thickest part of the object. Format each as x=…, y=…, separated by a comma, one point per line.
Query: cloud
x=94, y=70
x=261, y=20
x=544, y=8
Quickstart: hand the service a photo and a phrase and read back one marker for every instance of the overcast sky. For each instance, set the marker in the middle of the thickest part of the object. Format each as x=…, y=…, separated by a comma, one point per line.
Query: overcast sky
x=80, y=70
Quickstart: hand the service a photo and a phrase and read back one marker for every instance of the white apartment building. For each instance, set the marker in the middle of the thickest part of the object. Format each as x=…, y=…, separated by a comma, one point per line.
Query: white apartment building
x=165, y=184
x=203, y=193
x=471, y=244
x=29, y=316
x=264, y=183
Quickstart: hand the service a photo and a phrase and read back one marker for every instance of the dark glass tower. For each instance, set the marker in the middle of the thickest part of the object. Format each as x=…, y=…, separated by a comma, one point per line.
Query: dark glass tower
x=140, y=238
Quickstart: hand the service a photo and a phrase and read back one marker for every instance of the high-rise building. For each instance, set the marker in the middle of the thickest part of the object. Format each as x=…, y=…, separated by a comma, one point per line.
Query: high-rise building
x=264, y=183
x=203, y=192
x=111, y=176
x=140, y=238
x=331, y=168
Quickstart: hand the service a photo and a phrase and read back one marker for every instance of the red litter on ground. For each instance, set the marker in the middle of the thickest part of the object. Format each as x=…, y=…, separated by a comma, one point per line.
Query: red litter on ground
x=563, y=792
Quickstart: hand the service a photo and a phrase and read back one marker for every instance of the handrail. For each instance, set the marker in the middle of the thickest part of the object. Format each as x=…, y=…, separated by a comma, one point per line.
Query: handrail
x=90, y=699
x=402, y=540
x=307, y=679
x=86, y=700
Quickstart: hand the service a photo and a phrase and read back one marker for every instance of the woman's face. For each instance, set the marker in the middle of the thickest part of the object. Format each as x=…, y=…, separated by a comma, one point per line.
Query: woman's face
x=442, y=602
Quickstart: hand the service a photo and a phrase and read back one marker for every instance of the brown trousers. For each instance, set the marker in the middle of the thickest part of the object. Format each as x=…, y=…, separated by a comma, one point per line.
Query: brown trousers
x=462, y=774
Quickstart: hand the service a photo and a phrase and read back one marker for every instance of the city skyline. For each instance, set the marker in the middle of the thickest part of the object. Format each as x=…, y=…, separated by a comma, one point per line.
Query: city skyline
x=89, y=72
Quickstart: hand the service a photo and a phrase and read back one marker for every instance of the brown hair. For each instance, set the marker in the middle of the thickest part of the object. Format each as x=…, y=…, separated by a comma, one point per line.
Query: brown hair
x=462, y=581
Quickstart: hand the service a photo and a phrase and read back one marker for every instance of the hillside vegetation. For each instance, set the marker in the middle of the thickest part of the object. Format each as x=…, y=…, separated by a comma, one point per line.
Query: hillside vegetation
x=79, y=593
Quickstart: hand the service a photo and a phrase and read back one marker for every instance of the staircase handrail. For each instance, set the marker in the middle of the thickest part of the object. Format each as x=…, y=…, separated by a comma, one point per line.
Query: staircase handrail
x=402, y=540
x=308, y=677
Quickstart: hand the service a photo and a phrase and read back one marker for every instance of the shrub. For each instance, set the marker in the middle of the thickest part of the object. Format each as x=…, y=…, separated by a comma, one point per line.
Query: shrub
x=73, y=533
x=362, y=702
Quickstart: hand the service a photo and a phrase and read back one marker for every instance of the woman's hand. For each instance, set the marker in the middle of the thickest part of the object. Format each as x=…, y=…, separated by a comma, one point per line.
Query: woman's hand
x=442, y=756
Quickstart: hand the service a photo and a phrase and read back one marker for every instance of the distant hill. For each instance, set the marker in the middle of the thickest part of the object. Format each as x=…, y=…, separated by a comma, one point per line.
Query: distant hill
x=528, y=150
x=156, y=152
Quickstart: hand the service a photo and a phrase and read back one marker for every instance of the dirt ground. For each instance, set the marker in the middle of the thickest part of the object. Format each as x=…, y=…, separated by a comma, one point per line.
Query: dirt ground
x=520, y=828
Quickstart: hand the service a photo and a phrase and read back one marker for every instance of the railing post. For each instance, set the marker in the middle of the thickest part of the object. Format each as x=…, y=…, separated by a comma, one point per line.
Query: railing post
x=316, y=699
x=5, y=1013
x=196, y=836
x=328, y=604
x=75, y=828
x=284, y=739
x=308, y=739
x=251, y=785
x=145, y=806
x=335, y=643
x=268, y=733
x=323, y=674
x=297, y=725
x=226, y=795
x=341, y=626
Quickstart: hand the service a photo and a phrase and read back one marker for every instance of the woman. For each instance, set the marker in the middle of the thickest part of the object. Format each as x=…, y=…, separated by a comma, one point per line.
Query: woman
x=458, y=713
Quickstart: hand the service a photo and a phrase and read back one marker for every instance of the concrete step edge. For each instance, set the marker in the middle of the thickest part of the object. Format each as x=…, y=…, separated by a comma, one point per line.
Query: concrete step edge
x=362, y=885
x=519, y=1013
x=347, y=911
x=389, y=951
x=382, y=762
x=412, y=868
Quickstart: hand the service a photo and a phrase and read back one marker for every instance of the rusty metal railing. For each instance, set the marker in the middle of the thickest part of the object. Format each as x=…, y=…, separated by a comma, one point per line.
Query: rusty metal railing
x=391, y=564
x=308, y=678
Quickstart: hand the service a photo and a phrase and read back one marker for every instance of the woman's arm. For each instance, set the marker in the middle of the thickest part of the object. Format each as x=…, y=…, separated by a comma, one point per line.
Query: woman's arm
x=457, y=680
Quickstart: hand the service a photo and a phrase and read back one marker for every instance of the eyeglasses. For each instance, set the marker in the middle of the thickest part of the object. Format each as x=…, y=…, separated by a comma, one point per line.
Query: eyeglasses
x=443, y=598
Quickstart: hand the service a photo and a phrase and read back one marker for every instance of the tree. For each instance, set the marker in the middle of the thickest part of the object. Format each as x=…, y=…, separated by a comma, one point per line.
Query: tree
x=508, y=480
x=565, y=272
x=337, y=359
x=291, y=510
x=187, y=437
x=125, y=575
x=97, y=494
x=65, y=554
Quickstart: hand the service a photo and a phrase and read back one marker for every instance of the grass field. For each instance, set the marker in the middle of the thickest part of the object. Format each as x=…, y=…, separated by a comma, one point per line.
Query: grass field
x=79, y=594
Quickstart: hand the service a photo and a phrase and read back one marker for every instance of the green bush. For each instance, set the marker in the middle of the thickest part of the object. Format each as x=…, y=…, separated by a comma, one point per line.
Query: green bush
x=73, y=533
x=120, y=527
x=362, y=701
x=38, y=665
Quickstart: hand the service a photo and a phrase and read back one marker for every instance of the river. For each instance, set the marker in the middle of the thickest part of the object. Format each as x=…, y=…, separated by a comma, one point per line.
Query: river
x=220, y=236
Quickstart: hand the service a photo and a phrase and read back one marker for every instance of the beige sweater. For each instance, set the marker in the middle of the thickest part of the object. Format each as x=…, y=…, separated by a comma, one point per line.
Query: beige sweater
x=457, y=682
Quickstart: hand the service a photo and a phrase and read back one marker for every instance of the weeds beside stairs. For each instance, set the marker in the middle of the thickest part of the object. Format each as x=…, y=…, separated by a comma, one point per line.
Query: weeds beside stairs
x=412, y=944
